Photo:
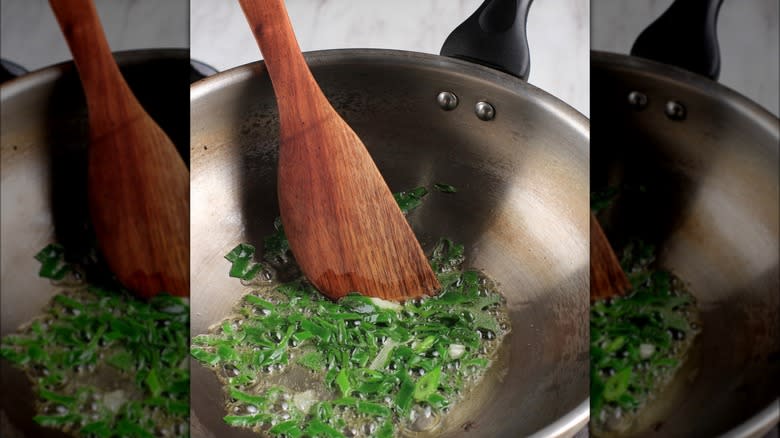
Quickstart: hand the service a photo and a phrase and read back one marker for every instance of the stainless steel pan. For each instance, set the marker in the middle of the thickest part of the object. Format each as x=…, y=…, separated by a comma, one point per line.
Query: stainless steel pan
x=521, y=208
x=706, y=160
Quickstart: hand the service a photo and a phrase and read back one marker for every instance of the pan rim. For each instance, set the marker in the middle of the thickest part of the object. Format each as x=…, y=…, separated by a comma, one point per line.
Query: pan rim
x=19, y=84
x=569, y=424
x=701, y=84
x=759, y=424
x=317, y=58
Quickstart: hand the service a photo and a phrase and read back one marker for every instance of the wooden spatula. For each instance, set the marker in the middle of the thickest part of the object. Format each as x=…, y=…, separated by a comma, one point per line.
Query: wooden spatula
x=344, y=227
x=138, y=183
x=607, y=278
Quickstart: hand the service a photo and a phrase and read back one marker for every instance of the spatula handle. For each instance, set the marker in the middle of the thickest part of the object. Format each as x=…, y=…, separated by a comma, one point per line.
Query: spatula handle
x=274, y=34
x=106, y=90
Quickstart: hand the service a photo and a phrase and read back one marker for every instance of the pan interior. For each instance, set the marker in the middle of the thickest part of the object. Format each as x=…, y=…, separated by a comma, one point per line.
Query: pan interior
x=521, y=210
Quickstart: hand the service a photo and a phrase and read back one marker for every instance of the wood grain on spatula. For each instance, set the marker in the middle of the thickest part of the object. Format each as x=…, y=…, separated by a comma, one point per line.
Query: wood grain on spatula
x=344, y=227
x=607, y=278
x=138, y=183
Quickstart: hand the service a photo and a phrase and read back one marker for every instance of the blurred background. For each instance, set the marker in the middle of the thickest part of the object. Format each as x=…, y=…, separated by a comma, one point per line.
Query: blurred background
x=747, y=32
x=557, y=32
x=30, y=36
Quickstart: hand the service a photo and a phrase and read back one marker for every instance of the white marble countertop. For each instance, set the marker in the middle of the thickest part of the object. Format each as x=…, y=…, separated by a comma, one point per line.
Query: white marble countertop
x=747, y=33
x=558, y=34
x=31, y=37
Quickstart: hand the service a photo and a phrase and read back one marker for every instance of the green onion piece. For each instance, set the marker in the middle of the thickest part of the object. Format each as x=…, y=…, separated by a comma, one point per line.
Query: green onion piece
x=437, y=401
x=403, y=400
x=259, y=302
x=374, y=409
x=52, y=260
x=226, y=353
x=617, y=384
x=426, y=344
x=242, y=265
x=321, y=332
x=312, y=360
x=317, y=428
x=445, y=188
x=127, y=428
x=276, y=246
x=153, y=383
x=616, y=344
x=446, y=256
x=380, y=361
x=246, y=420
x=345, y=401
x=241, y=396
x=68, y=302
x=97, y=429
x=56, y=420
x=342, y=380
x=57, y=398
x=386, y=431
x=409, y=200
x=289, y=429
x=204, y=356
x=427, y=385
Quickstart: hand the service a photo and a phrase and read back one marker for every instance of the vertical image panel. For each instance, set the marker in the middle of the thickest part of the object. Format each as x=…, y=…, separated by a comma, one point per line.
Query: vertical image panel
x=95, y=218
x=489, y=166
x=684, y=180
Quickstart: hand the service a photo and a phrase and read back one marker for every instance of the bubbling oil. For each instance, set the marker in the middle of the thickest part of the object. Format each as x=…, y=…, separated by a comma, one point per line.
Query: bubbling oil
x=108, y=389
x=304, y=387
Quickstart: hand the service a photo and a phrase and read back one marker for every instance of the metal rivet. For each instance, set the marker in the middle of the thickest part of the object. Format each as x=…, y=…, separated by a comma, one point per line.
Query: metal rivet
x=485, y=111
x=447, y=100
x=637, y=100
x=675, y=110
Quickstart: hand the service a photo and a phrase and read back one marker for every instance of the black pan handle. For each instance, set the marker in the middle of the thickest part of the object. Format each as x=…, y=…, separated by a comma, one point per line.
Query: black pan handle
x=200, y=70
x=494, y=36
x=10, y=70
x=684, y=36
